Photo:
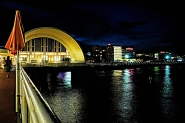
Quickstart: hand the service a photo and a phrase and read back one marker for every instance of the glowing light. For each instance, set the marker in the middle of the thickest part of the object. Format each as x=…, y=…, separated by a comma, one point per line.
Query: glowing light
x=126, y=56
x=129, y=48
x=156, y=69
x=167, y=92
x=167, y=57
x=179, y=60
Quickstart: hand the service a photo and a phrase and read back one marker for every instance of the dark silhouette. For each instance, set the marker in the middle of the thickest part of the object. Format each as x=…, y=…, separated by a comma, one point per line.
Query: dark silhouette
x=8, y=64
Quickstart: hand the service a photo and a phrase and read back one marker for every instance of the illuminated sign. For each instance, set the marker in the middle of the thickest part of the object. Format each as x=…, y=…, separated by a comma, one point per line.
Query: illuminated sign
x=129, y=48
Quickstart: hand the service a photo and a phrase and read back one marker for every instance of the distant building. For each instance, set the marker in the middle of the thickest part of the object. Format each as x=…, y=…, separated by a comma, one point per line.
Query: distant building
x=146, y=57
x=109, y=53
x=156, y=56
x=114, y=53
x=4, y=53
x=98, y=53
x=165, y=56
x=118, y=54
x=129, y=54
x=89, y=57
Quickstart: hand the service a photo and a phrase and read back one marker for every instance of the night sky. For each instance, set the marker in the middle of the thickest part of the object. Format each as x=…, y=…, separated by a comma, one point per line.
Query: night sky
x=146, y=26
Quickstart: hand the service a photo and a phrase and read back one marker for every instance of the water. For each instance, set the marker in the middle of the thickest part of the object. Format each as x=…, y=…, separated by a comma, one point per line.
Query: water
x=133, y=95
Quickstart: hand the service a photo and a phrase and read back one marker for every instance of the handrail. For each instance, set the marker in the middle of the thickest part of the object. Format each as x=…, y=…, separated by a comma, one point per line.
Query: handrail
x=33, y=107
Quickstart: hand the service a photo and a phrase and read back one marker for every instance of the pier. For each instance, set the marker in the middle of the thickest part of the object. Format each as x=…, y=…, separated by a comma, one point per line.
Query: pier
x=7, y=85
x=7, y=98
x=93, y=66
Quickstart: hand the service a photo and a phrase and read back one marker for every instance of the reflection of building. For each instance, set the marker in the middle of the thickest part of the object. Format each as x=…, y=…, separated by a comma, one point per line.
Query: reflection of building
x=44, y=50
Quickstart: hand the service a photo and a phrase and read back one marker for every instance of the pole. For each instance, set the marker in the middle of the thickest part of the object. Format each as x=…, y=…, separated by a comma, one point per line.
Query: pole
x=17, y=82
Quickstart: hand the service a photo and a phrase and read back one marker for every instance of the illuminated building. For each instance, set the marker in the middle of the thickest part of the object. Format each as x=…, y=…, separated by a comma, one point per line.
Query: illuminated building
x=109, y=53
x=44, y=50
x=98, y=53
x=47, y=44
x=156, y=56
x=113, y=53
x=129, y=55
x=117, y=53
x=3, y=52
x=147, y=57
x=165, y=56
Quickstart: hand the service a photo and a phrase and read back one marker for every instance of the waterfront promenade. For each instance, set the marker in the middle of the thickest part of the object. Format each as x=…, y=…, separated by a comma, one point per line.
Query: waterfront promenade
x=7, y=98
x=93, y=66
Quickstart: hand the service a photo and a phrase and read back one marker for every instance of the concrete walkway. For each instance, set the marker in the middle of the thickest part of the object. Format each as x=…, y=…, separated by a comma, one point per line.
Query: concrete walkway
x=7, y=98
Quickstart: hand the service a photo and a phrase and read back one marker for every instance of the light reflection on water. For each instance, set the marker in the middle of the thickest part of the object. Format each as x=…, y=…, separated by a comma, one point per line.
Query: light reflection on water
x=127, y=96
x=167, y=102
x=66, y=102
x=64, y=78
x=124, y=102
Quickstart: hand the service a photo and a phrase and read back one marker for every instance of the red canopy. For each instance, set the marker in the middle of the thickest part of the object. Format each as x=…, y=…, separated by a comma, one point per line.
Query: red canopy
x=16, y=39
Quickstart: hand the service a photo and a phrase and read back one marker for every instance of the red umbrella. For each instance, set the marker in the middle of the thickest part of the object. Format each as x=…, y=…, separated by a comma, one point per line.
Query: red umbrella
x=16, y=39
x=15, y=44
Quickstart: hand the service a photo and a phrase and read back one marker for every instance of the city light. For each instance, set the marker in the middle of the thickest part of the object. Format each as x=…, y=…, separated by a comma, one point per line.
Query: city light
x=126, y=56
x=167, y=57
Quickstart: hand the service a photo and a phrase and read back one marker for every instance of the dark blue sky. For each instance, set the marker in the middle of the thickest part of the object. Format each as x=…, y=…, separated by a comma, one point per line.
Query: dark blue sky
x=145, y=26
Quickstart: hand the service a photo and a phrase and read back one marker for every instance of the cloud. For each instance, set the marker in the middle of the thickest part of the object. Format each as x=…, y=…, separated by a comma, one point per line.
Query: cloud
x=143, y=25
x=130, y=25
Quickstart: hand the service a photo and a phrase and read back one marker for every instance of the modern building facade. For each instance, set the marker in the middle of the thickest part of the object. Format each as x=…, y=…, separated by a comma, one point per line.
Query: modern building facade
x=44, y=50
x=98, y=53
x=48, y=44
x=113, y=53
x=129, y=54
x=109, y=53
x=118, y=54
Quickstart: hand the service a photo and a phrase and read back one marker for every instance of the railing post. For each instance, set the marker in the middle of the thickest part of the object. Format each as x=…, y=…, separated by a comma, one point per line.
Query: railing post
x=17, y=83
x=24, y=106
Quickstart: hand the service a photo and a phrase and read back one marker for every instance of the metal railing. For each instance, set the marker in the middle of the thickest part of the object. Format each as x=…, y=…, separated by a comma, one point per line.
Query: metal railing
x=32, y=107
x=134, y=63
x=52, y=64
